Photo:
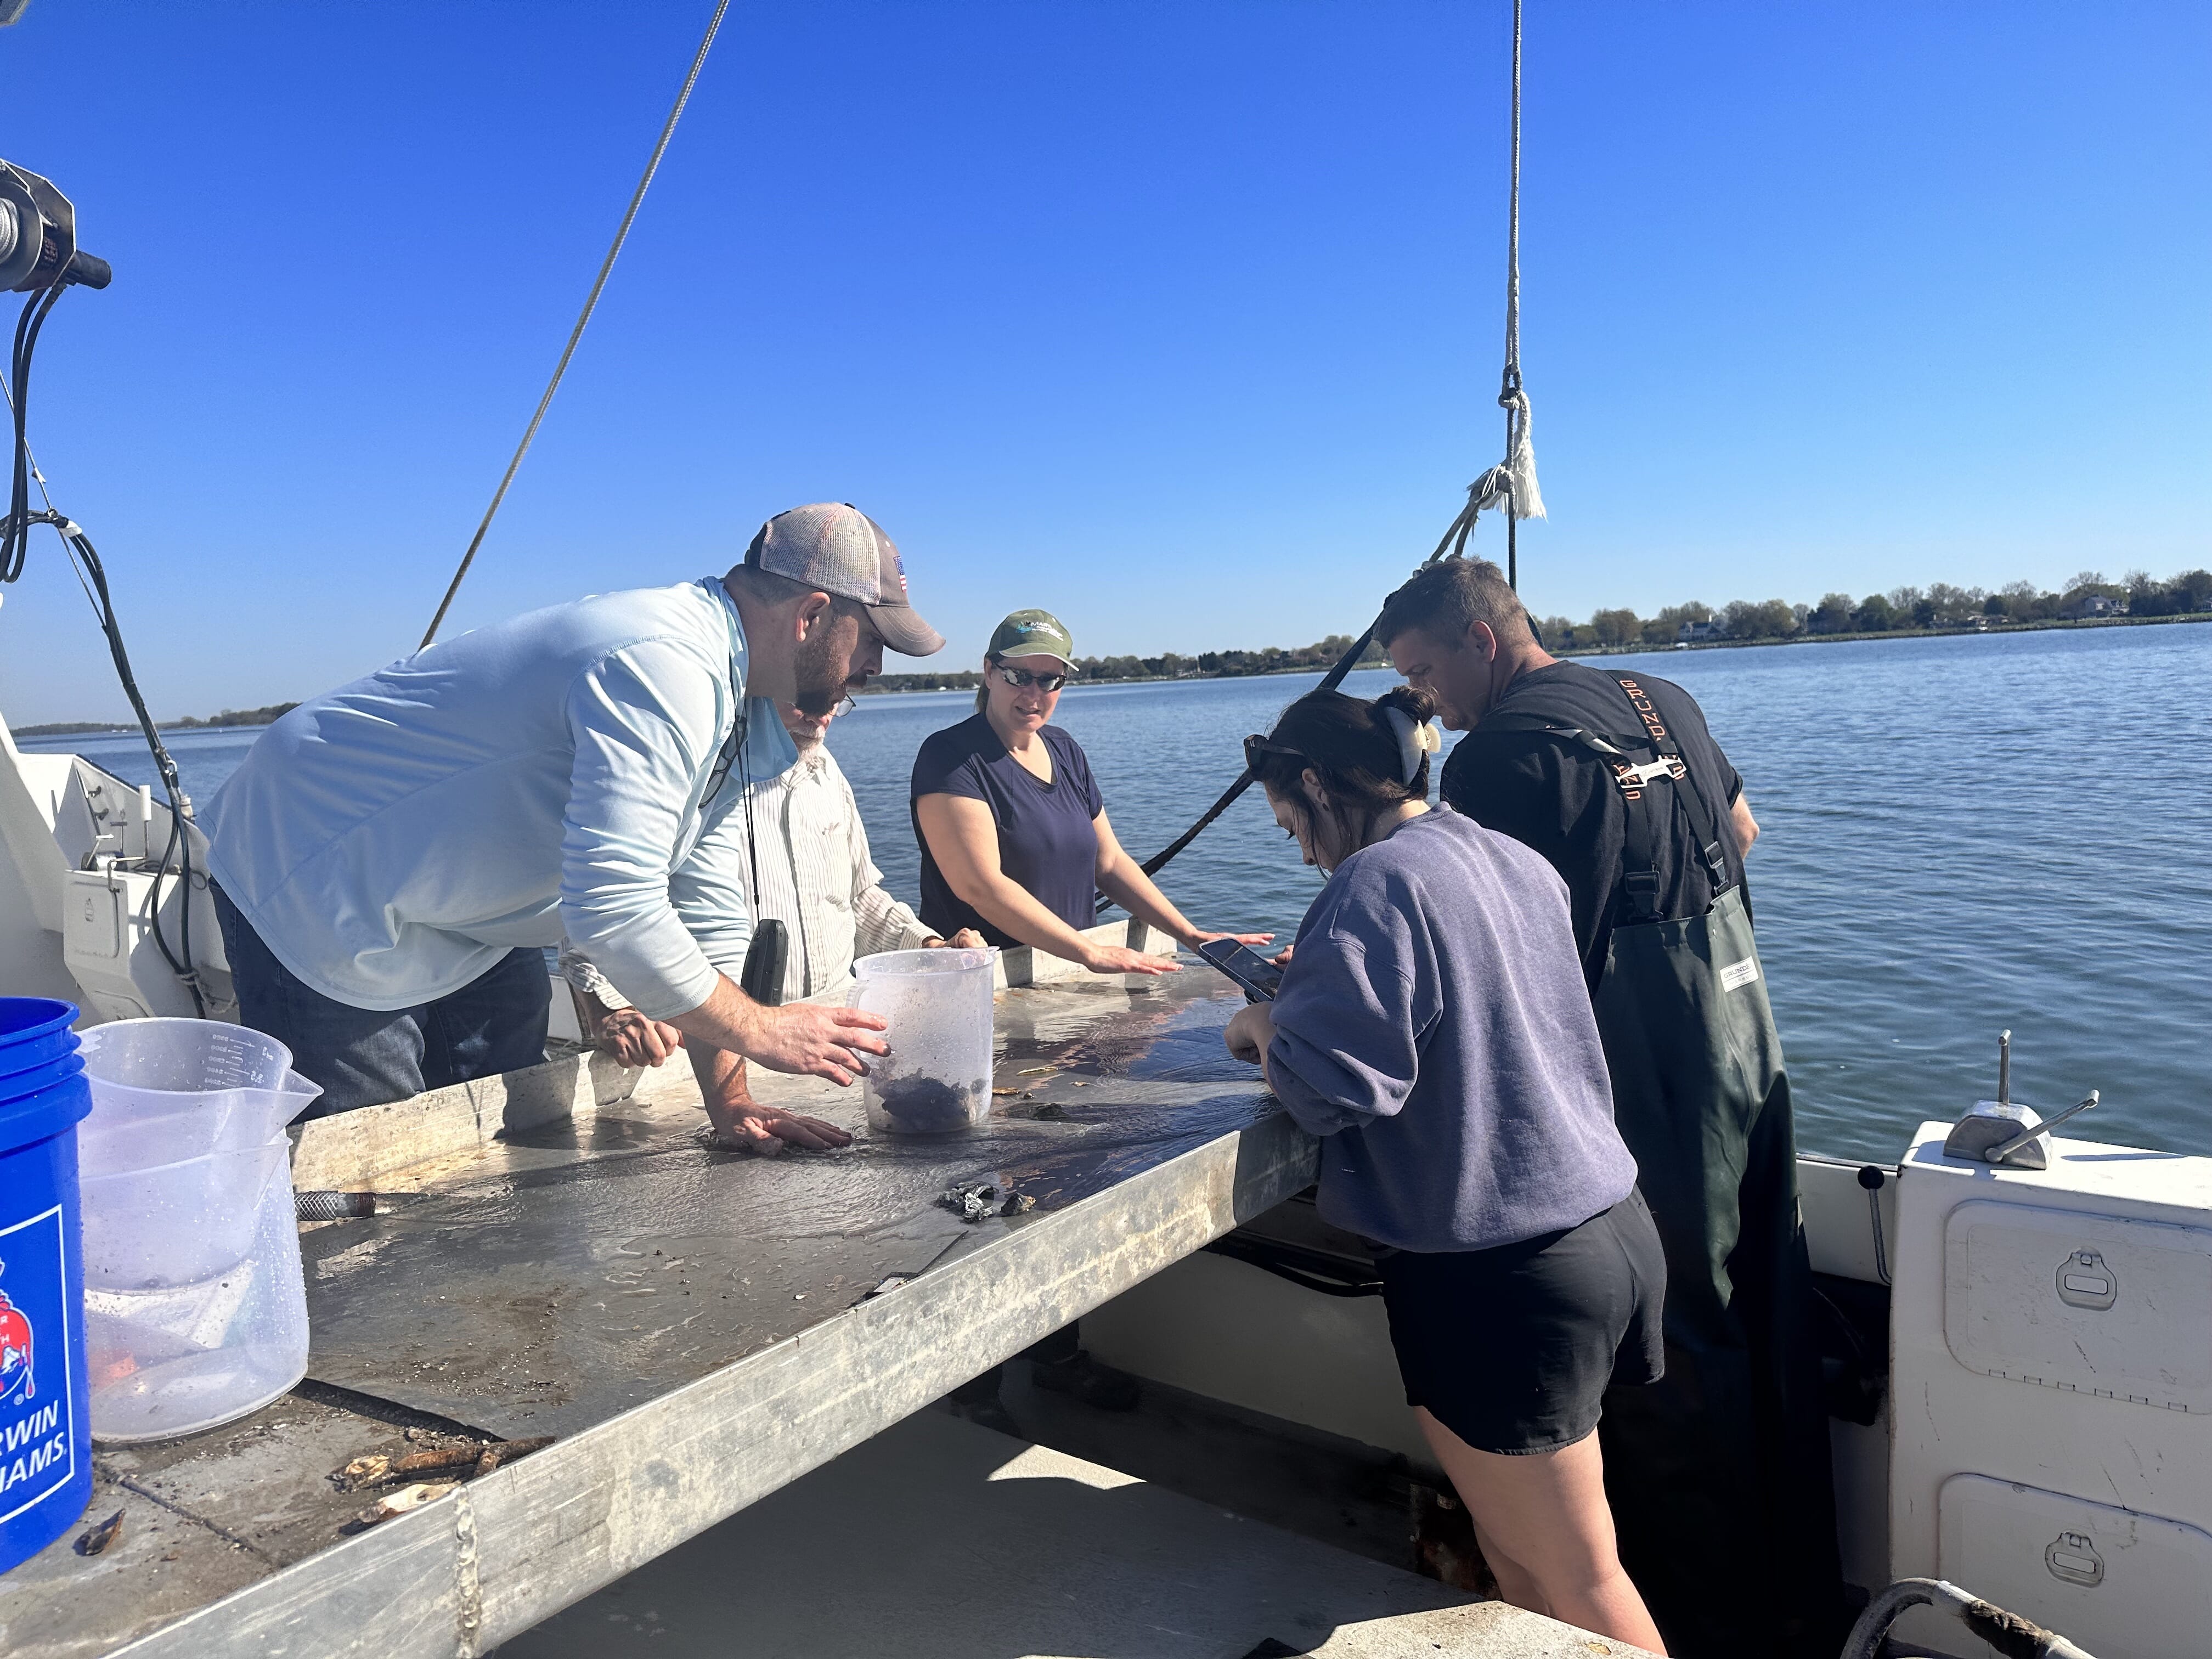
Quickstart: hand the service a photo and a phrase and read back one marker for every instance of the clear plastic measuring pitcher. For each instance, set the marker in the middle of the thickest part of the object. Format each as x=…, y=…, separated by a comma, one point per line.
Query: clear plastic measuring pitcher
x=195, y=1309
x=170, y=1089
x=937, y=1078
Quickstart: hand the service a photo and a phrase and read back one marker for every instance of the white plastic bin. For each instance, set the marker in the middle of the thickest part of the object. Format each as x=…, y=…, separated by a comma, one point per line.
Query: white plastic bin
x=937, y=1079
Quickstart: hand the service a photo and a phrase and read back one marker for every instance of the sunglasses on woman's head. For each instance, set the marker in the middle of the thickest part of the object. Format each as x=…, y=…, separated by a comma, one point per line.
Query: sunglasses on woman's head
x=1256, y=746
x=1021, y=679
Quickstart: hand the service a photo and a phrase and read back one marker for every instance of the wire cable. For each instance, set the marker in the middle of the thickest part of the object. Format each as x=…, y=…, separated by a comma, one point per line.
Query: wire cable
x=1509, y=393
x=92, y=576
x=576, y=334
x=39, y=478
x=178, y=847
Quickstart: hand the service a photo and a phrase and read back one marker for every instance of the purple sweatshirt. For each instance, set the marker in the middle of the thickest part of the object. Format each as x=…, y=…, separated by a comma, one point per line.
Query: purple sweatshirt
x=1434, y=1026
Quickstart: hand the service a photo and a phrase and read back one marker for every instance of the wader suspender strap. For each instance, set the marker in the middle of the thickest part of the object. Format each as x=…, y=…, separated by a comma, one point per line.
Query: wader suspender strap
x=1640, y=848
x=1640, y=853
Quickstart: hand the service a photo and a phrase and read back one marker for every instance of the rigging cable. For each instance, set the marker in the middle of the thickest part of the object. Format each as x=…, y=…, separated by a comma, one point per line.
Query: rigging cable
x=576, y=334
x=84, y=560
x=1524, y=500
x=1509, y=486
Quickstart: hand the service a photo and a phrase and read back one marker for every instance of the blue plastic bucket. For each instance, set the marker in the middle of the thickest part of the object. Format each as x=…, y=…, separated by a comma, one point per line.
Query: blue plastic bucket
x=46, y=1427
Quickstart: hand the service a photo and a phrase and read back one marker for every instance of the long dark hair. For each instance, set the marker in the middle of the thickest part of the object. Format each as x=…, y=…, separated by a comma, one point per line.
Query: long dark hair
x=1352, y=745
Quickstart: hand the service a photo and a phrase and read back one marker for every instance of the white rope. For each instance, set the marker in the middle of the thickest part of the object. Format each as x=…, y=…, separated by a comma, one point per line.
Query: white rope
x=1512, y=485
x=1515, y=481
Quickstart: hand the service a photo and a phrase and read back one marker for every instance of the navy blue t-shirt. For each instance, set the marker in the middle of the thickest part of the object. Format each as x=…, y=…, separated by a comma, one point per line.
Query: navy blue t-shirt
x=1046, y=842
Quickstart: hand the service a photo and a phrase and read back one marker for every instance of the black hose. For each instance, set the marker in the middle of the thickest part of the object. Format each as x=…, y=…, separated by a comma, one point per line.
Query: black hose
x=333, y=1206
x=15, y=533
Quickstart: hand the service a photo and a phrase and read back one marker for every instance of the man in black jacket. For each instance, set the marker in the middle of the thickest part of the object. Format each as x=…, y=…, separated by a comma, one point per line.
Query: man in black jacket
x=1719, y=1475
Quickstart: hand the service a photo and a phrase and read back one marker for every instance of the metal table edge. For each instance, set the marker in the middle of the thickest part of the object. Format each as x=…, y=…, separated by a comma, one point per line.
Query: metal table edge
x=498, y=1555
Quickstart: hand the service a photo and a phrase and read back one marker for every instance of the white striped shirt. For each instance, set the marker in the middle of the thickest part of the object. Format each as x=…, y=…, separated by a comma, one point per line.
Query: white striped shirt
x=816, y=877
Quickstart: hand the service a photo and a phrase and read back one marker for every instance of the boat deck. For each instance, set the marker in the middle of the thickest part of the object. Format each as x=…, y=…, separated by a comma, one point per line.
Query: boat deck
x=940, y=1540
x=697, y=1328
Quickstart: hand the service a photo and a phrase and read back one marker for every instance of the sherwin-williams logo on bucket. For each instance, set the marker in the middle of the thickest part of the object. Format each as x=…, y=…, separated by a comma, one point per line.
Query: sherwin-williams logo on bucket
x=37, y=1439
x=16, y=1377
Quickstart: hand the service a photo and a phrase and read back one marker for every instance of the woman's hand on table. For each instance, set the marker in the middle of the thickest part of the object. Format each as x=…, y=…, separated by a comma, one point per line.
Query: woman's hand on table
x=1119, y=959
x=1204, y=937
x=633, y=1039
x=1249, y=1032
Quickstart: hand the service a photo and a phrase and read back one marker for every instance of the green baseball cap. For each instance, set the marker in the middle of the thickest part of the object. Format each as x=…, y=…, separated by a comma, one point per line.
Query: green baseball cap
x=1033, y=634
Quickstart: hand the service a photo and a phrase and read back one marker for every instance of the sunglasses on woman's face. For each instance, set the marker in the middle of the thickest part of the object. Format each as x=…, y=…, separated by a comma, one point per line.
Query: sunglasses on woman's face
x=1021, y=679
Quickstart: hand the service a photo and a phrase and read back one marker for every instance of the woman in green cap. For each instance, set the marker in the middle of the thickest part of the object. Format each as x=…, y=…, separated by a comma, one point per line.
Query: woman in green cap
x=1014, y=839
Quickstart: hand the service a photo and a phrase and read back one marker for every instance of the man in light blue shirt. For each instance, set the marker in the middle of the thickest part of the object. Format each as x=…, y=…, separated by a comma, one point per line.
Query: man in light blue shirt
x=393, y=856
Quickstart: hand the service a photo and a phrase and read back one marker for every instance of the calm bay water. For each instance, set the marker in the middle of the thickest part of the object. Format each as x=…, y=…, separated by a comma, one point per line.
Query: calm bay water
x=1961, y=835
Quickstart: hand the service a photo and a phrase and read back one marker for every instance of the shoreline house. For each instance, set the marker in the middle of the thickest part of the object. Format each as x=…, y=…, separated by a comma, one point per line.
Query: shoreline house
x=2082, y=607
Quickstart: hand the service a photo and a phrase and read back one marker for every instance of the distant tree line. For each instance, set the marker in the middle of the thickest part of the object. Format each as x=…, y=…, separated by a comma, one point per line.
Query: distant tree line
x=1168, y=665
x=264, y=716
x=191, y=722
x=2086, y=597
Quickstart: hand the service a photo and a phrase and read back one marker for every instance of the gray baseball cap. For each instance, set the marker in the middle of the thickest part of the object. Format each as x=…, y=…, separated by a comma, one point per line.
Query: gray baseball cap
x=837, y=549
x=1034, y=633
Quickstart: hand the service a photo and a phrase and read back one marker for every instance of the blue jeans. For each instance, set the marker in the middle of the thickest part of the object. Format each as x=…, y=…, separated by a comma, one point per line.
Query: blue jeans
x=367, y=1056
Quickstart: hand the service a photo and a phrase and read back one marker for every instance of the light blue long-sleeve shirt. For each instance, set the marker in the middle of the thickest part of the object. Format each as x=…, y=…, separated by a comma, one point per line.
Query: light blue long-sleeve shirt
x=392, y=840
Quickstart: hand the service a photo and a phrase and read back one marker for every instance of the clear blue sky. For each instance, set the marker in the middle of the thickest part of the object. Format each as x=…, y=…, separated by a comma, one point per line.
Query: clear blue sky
x=1180, y=320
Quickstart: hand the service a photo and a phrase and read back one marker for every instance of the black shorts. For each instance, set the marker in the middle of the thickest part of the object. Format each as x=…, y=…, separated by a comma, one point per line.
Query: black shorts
x=1512, y=1348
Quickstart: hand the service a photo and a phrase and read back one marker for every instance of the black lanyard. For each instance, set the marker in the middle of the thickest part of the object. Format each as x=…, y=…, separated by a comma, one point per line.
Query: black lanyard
x=761, y=977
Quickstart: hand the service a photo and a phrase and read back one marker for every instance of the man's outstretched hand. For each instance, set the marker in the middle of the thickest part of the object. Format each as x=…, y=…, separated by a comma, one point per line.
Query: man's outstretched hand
x=808, y=1039
x=750, y=1127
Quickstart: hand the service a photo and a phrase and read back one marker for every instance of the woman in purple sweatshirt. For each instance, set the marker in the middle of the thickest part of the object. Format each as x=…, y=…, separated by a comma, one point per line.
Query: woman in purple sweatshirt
x=1433, y=1027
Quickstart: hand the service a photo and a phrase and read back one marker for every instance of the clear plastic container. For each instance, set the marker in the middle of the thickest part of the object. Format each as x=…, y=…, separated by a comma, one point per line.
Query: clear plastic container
x=937, y=1079
x=196, y=1311
x=177, y=1224
x=166, y=1090
x=179, y=1358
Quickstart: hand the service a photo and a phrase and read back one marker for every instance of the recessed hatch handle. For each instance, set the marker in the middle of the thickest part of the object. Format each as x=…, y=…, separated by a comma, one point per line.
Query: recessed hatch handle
x=2073, y=1558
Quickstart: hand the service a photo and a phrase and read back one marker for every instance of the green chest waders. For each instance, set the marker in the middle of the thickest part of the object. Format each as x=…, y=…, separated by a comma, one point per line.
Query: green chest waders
x=1719, y=1474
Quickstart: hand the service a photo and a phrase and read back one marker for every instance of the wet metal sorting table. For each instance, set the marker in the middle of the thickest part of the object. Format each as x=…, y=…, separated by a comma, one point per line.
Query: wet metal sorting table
x=698, y=1327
